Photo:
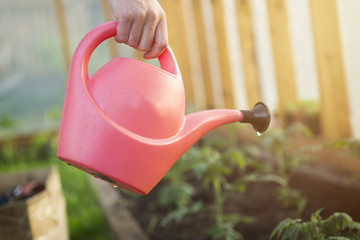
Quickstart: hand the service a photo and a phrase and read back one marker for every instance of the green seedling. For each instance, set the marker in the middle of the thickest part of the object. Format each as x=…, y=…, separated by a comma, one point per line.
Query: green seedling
x=350, y=145
x=338, y=226
x=278, y=142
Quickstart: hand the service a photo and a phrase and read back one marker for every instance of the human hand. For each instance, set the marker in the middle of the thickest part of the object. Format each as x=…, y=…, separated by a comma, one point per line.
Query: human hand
x=141, y=24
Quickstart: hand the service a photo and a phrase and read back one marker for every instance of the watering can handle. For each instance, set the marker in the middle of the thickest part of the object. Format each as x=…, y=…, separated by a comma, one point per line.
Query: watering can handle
x=98, y=35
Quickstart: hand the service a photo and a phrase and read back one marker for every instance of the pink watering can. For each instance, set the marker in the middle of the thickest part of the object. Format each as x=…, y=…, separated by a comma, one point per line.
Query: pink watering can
x=125, y=124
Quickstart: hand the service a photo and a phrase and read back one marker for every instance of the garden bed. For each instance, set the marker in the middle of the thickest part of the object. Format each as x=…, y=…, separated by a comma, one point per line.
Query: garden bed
x=328, y=182
x=324, y=189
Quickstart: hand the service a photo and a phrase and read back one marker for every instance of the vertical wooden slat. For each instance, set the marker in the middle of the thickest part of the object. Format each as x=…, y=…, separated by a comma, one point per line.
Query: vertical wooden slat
x=282, y=53
x=332, y=85
x=178, y=43
x=108, y=17
x=61, y=20
x=138, y=55
x=201, y=36
x=193, y=51
x=247, y=44
x=222, y=47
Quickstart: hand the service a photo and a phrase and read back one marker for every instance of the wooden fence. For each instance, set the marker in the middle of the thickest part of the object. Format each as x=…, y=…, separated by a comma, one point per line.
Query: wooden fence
x=233, y=53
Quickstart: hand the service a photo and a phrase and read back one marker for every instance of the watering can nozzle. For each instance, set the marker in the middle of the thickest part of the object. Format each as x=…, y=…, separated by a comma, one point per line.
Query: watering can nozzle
x=259, y=117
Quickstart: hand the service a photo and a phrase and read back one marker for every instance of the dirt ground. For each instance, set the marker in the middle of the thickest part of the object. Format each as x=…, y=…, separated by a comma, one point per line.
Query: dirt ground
x=327, y=183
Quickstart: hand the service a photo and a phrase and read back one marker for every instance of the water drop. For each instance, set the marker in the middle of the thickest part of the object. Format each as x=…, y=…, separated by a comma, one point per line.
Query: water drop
x=115, y=186
x=258, y=133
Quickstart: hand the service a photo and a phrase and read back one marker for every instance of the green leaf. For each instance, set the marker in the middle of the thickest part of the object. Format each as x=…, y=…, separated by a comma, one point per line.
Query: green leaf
x=180, y=212
x=234, y=219
x=195, y=207
x=315, y=217
x=338, y=226
x=356, y=226
x=279, y=229
x=239, y=159
x=339, y=143
x=299, y=128
x=7, y=122
x=176, y=194
x=264, y=178
x=272, y=178
x=152, y=224
x=309, y=230
x=216, y=232
x=291, y=233
x=338, y=238
x=355, y=148
x=252, y=150
x=224, y=231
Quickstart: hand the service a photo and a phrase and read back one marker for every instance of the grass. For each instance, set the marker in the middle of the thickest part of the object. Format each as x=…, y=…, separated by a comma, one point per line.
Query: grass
x=85, y=217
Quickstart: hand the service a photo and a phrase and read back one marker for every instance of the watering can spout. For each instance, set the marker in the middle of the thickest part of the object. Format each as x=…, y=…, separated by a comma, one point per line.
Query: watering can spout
x=199, y=123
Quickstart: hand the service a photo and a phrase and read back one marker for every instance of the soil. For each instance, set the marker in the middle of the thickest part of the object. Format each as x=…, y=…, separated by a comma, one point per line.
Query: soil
x=327, y=183
x=259, y=202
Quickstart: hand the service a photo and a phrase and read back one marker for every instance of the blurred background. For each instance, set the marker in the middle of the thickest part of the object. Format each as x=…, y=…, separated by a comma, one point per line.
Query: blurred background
x=299, y=57
x=231, y=54
x=37, y=41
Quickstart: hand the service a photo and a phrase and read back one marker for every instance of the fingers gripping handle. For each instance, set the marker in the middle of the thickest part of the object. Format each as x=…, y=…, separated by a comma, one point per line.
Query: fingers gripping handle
x=98, y=35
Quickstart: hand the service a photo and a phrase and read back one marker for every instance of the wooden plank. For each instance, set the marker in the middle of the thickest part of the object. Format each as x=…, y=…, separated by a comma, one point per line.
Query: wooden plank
x=61, y=20
x=332, y=85
x=222, y=47
x=194, y=53
x=178, y=43
x=201, y=36
x=138, y=55
x=247, y=43
x=122, y=223
x=282, y=53
x=108, y=16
